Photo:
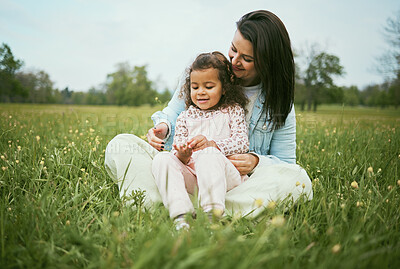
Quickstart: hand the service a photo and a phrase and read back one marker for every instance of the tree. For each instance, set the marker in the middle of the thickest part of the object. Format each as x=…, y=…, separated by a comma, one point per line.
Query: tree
x=351, y=96
x=38, y=85
x=391, y=59
x=130, y=86
x=10, y=88
x=319, y=75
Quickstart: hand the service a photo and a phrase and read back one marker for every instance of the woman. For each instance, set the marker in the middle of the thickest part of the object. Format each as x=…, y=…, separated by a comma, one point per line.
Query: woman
x=262, y=59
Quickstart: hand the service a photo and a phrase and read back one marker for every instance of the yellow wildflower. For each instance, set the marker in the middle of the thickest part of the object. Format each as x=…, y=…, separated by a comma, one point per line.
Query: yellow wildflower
x=271, y=205
x=4, y=168
x=370, y=170
x=297, y=183
x=258, y=202
x=336, y=248
x=354, y=184
x=37, y=138
x=2, y=157
x=278, y=221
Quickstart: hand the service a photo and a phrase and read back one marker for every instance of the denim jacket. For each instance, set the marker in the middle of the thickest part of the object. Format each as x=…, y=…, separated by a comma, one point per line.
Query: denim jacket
x=271, y=146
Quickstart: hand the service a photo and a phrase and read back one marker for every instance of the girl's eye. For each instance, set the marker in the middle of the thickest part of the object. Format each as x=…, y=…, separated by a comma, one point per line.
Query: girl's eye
x=209, y=87
x=195, y=88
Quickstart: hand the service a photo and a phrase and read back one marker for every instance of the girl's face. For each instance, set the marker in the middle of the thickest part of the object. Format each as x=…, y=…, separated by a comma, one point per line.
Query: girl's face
x=242, y=58
x=205, y=88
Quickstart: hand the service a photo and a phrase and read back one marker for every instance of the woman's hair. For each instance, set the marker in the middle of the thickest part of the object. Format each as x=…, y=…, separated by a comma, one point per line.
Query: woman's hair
x=232, y=92
x=273, y=61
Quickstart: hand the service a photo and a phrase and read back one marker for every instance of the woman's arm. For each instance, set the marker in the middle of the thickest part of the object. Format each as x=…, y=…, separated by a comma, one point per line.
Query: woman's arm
x=168, y=116
x=282, y=149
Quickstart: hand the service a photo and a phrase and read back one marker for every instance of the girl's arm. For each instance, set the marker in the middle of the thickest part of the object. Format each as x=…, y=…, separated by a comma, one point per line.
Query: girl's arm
x=238, y=142
x=180, y=148
x=169, y=115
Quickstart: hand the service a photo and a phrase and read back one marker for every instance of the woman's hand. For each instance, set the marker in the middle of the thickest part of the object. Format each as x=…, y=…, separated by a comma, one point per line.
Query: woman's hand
x=156, y=135
x=200, y=142
x=183, y=152
x=244, y=163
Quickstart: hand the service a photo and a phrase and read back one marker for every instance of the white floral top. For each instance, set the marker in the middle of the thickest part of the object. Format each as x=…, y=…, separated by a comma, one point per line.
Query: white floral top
x=226, y=127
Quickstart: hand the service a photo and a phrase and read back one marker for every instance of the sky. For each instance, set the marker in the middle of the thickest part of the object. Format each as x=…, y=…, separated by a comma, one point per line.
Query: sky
x=79, y=42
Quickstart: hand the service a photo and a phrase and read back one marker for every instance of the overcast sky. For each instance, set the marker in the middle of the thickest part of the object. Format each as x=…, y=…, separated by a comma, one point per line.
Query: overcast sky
x=78, y=42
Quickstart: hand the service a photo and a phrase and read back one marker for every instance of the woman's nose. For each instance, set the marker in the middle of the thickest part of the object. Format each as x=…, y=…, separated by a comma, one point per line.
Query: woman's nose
x=235, y=60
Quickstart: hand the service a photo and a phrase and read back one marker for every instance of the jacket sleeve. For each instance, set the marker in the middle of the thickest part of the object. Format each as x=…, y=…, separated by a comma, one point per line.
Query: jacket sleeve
x=283, y=144
x=169, y=115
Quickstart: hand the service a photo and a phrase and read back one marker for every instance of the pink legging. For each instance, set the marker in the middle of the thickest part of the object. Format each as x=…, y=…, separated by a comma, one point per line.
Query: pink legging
x=209, y=172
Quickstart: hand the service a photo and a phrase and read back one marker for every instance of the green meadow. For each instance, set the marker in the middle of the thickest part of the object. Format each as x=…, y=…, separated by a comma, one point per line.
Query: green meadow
x=60, y=209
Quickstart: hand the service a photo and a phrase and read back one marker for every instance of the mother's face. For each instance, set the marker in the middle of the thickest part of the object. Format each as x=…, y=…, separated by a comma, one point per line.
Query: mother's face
x=242, y=58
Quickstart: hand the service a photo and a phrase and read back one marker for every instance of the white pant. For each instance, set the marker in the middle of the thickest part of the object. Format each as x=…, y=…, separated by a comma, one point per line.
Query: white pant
x=128, y=160
x=209, y=172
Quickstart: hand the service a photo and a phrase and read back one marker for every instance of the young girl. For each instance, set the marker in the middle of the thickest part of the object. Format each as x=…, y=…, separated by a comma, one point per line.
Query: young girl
x=212, y=127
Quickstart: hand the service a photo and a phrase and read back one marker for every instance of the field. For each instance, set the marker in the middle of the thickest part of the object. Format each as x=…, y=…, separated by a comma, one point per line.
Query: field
x=60, y=209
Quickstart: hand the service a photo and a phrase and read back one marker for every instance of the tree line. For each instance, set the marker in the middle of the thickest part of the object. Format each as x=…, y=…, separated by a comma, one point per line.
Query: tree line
x=129, y=85
x=126, y=86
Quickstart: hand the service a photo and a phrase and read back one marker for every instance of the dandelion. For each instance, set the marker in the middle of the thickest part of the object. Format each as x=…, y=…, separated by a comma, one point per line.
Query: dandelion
x=297, y=183
x=342, y=206
x=17, y=161
x=370, y=170
x=9, y=209
x=369, y=192
x=37, y=138
x=2, y=157
x=387, y=201
x=45, y=168
x=94, y=149
x=19, y=148
x=359, y=204
x=4, y=168
x=390, y=187
x=41, y=162
x=336, y=248
x=67, y=223
x=83, y=169
x=379, y=170
x=271, y=205
x=115, y=214
x=398, y=182
x=278, y=221
x=354, y=184
x=323, y=150
x=217, y=212
x=258, y=202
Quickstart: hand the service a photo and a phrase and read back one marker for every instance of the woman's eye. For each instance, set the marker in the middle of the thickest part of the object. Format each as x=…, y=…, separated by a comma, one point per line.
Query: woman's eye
x=247, y=60
x=233, y=49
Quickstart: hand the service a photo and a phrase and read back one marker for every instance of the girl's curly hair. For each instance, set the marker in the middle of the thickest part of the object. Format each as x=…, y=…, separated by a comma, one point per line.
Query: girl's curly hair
x=232, y=92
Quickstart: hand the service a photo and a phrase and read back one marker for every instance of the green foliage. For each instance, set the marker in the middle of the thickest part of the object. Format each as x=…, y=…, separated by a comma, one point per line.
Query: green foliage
x=10, y=87
x=130, y=86
x=60, y=209
x=318, y=78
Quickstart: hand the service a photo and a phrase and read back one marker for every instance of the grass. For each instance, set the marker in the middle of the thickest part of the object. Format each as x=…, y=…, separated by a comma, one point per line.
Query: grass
x=59, y=208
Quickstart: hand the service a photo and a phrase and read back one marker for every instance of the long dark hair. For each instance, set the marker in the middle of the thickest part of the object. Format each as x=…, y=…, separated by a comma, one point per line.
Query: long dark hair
x=273, y=61
x=232, y=92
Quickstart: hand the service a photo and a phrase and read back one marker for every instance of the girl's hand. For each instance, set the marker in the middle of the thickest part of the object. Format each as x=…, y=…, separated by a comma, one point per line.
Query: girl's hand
x=244, y=163
x=200, y=142
x=183, y=152
x=156, y=135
